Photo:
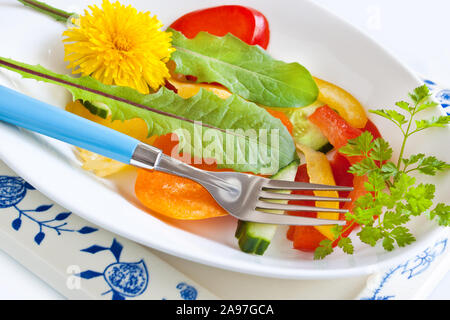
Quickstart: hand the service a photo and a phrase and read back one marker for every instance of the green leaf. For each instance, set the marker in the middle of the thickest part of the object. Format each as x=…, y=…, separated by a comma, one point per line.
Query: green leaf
x=413, y=159
x=363, y=167
x=381, y=150
x=346, y=245
x=364, y=142
x=426, y=165
x=420, y=94
x=248, y=71
x=388, y=170
x=375, y=182
x=388, y=243
x=370, y=235
x=166, y=112
x=361, y=145
x=402, y=236
x=381, y=113
x=403, y=105
x=397, y=117
x=394, y=218
x=366, y=216
x=365, y=201
x=350, y=150
x=426, y=105
x=420, y=198
x=385, y=199
x=442, y=214
x=391, y=115
x=324, y=249
x=440, y=122
x=431, y=165
x=401, y=185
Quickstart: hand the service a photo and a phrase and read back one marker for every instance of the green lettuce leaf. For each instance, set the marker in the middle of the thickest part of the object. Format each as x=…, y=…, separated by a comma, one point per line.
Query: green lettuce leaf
x=245, y=70
x=207, y=126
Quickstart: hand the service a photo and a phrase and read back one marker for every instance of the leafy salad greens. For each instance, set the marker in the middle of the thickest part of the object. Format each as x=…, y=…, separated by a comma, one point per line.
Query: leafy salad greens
x=166, y=112
x=248, y=71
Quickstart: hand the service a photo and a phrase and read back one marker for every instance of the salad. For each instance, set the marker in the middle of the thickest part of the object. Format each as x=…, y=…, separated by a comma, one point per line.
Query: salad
x=206, y=91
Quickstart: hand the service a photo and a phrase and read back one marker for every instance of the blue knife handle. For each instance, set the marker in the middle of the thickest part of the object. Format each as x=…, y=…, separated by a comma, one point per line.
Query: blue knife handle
x=35, y=115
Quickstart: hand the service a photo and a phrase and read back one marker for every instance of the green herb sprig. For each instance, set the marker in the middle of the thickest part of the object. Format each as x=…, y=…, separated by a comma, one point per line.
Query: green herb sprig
x=393, y=197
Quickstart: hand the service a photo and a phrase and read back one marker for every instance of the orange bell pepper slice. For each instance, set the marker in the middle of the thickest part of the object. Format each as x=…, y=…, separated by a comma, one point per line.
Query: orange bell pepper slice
x=175, y=197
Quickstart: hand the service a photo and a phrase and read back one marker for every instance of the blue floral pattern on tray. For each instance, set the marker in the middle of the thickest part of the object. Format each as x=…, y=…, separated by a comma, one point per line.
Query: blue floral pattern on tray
x=125, y=279
x=408, y=270
x=187, y=292
x=13, y=190
x=441, y=95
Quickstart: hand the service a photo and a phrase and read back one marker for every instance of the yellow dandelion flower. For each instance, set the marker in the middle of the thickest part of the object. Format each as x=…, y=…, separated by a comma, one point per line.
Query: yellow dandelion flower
x=118, y=45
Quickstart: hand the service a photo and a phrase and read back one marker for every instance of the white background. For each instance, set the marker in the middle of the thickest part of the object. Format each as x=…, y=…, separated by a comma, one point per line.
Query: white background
x=414, y=30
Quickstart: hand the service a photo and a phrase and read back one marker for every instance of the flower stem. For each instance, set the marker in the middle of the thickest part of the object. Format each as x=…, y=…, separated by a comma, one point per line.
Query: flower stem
x=57, y=14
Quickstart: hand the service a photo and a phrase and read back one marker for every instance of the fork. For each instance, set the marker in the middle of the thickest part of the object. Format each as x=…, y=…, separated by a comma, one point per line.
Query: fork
x=244, y=196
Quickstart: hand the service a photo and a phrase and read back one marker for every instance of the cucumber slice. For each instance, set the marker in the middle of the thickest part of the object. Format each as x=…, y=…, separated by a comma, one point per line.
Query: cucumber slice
x=305, y=132
x=97, y=108
x=255, y=237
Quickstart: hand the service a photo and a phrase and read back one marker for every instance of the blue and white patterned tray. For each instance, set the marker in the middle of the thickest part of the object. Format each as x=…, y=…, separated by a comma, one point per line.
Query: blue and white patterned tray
x=82, y=261
x=78, y=259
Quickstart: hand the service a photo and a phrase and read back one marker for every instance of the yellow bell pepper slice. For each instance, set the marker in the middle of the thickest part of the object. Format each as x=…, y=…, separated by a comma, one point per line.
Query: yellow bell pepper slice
x=319, y=171
x=187, y=90
x=343, y=102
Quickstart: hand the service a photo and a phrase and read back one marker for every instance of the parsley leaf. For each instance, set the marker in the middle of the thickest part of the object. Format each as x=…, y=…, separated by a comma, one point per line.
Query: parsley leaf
x=441, y=213
x=381, y=150
x=419, y=94
x=432, y=122
x=346, y=245
x=426, y=165
x=370, y=235
x=402, y=236
x=324, y=249
x=358, y=147
x=392, y=196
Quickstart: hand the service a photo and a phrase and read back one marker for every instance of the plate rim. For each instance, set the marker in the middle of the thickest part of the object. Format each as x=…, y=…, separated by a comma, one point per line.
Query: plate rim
x=263, y=270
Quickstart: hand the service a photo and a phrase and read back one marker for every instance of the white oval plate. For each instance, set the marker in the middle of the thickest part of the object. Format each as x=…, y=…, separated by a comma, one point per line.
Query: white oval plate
x=300, y=31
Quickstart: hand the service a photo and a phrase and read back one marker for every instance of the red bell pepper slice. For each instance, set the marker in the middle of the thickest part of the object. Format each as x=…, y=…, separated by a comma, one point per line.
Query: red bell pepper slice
x=248, y=24
x=333, y=126
x=305, y=238
x=338, y=132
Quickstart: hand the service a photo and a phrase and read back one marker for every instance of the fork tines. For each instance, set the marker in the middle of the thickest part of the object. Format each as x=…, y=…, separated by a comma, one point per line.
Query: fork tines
x=292, y=185
x=271, y=191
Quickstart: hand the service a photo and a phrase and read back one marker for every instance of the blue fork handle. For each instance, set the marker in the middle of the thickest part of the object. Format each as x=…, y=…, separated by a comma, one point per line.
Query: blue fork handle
x=35, y=115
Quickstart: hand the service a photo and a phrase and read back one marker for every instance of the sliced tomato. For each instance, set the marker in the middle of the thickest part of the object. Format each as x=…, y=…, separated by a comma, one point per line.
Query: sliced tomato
x=333, y=126
x=248, y=24
x=336, y=129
